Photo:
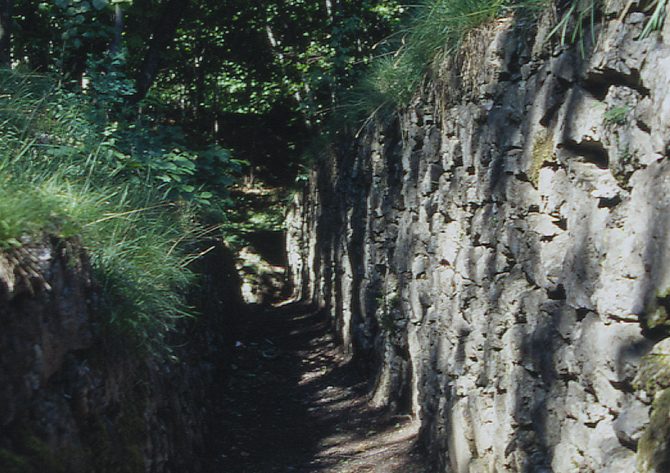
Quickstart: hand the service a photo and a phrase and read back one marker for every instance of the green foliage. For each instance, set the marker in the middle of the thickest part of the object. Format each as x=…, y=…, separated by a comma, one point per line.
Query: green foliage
x=237, y=67
x=29, y=212
x=436, y=29
x=256, y=210
x=58, y=35
x=109, y=83
x=32, y=456
x=63, y=173
x=543, y=154
x=659, y=12
x=390, y=83
x=13, y=463
x=440, y=25
x=145, y=150
x=578, y=19
x=616, y=115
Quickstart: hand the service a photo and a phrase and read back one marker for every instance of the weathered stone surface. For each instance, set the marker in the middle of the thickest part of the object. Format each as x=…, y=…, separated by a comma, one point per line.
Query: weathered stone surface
x=77, y=397
x=526, y=247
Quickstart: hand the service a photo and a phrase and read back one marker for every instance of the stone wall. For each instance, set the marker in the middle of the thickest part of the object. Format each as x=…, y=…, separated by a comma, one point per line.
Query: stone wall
x=78, y=398
x=497, y=253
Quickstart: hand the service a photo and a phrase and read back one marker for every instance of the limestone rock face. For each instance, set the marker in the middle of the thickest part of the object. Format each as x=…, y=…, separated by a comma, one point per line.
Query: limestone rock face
x=74, y=398
x=498, y=254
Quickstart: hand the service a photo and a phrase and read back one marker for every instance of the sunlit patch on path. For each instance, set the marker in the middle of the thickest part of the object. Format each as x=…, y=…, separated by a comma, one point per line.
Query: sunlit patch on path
x=293, y=403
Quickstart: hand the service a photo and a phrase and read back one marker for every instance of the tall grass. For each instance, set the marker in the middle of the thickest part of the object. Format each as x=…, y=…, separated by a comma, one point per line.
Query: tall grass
x=576, y=21
x=390, y=83
x=56, y=178
x=437, y=29
x=440, y=25
x=658, y=9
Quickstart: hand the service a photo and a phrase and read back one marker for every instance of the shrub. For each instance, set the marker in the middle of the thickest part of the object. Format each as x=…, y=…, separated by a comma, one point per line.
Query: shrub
x=64, y=173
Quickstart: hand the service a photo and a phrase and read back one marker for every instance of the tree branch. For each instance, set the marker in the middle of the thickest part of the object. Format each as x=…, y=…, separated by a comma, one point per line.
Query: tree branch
x=163, y=35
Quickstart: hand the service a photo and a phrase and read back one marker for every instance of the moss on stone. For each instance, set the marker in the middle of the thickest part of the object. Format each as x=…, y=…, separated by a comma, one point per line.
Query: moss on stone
x=133, y=432
x=115, y=447
x=390, y=305
x=118, y=448
x=10, y=462
x=657, y=312
x=31, y=455
x=654, y=378
x=653, y=454
x=654, y=373
x=543, y=153
x=43, y=456
x=616, y=115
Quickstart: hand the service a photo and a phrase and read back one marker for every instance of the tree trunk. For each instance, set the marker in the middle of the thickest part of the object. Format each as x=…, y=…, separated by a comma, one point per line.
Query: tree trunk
x=32, y=47
x=275, y=47
x=163, y=35
x=115, y=47
x=5, y=33
x=330, y=13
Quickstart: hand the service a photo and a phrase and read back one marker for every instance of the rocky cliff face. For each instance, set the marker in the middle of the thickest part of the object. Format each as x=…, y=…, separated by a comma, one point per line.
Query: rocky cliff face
x=77, y=398
x=498, y=253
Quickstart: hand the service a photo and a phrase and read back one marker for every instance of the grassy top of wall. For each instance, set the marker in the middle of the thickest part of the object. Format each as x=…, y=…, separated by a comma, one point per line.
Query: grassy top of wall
x=438, y=28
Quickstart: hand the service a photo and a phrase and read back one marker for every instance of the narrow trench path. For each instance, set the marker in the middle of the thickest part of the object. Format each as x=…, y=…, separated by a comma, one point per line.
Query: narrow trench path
x=292, y=404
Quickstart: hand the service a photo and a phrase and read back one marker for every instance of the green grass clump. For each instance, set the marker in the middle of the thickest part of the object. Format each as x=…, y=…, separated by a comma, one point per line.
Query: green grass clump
x=441, y=25
x=616, y=115
x=389, y=84
x=438, y=28
x=576, y=21
x=28, y=212
x=61, y=174
x=659, y=12
x=579, y=19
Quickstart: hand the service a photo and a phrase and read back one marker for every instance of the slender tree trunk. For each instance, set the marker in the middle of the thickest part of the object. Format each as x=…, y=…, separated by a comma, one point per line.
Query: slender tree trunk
x=163, y=35
x=117, y=42
x=200, y=79
x=275, y=47
x=329, y=10
x=35, y=49
x=5, y=33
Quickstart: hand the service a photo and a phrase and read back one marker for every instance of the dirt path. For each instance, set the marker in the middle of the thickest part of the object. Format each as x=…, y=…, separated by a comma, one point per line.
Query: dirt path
x=294, y=406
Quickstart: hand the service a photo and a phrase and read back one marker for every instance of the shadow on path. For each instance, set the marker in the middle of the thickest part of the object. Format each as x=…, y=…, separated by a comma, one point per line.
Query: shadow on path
x=293, y=404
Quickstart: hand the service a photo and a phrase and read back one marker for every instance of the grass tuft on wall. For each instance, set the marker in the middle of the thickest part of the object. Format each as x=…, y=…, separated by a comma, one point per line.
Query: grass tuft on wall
x=437, y=29
x=62, y=174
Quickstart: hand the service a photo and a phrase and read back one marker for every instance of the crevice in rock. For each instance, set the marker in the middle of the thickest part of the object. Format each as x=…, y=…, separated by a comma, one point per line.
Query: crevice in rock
x=593, y=152
x=643, y=126
x=557, y=293
x=597, y=83
x=609, y=203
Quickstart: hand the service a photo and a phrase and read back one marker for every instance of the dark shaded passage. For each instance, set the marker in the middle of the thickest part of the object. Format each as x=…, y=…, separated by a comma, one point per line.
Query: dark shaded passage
x=292, y=403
